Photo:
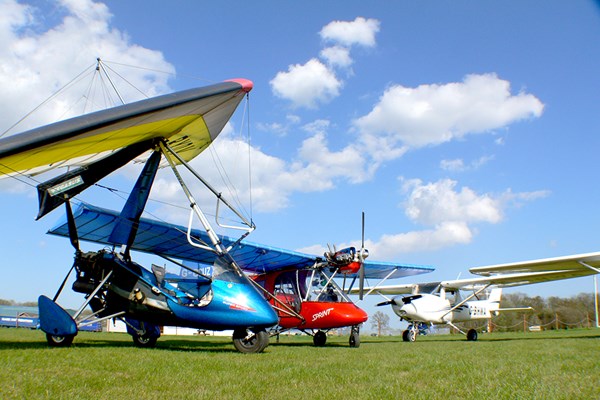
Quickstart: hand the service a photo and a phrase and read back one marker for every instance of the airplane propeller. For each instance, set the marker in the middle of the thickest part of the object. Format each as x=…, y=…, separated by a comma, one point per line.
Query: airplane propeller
x=364, y=253
x=73, y=236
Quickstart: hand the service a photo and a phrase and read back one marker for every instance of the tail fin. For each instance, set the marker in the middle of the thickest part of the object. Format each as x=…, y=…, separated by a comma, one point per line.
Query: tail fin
x=495, y=295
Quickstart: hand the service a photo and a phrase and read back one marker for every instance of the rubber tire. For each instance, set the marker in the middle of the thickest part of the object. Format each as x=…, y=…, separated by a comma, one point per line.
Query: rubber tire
x=319, y=339
x=247, y=341
x=59, y=341
x=144, y=341
x=472, y=335
x=354, y=339
x=405, y=335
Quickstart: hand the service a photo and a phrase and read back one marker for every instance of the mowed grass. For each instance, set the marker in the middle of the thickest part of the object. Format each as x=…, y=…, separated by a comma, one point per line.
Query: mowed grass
x=541, y=365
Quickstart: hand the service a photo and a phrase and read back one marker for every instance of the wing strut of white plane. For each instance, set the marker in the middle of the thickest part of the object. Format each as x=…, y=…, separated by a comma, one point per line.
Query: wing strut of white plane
x=380, y=283
x=467, y=299
x=589, y=266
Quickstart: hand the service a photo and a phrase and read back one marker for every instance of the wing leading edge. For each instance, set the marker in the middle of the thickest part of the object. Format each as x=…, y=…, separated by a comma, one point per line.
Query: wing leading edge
x=189, y=120
x=507, y=275
x=95, y=224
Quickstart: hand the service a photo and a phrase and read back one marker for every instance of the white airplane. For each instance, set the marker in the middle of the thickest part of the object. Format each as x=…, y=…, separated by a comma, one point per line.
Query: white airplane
x=443, y=303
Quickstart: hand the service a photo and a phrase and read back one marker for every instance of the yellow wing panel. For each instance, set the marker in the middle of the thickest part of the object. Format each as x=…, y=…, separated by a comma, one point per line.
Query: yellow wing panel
x=188, y=120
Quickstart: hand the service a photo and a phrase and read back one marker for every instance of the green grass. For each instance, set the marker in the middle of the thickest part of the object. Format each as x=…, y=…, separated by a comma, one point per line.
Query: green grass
x=544, y=365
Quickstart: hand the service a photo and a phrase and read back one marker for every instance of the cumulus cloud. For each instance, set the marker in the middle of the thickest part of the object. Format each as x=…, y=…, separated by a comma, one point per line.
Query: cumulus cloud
x=315, y=167
x=36, y=61
x=307, y=85
x=361, y=32
x=432, y=114
x=337, y=56
x=458, y=164
x=437, y=202
x=449, y=215
x=315, y=83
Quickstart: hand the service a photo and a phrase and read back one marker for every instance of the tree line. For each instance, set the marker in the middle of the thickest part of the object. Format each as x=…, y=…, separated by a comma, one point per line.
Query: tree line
x=548, y=313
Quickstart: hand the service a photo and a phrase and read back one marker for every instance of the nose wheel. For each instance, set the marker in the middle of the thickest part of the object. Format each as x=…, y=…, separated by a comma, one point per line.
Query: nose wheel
x=410, y=335
x=59, y=341
x=354, y=337
x=249, y=341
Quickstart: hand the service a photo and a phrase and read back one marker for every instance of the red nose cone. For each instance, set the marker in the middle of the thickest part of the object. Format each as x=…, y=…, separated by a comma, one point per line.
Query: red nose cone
x=247, y=85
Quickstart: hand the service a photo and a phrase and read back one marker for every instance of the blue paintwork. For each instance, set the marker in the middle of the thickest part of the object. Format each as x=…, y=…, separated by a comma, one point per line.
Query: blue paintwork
x=54, y=319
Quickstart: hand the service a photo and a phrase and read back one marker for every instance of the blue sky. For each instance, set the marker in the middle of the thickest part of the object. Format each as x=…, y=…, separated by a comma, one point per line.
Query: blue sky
x=466, y=131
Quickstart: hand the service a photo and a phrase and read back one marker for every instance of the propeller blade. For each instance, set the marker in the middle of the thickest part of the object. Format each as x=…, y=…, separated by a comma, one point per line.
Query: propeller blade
x=361, y=271
x=385, y=303
x=73, y=237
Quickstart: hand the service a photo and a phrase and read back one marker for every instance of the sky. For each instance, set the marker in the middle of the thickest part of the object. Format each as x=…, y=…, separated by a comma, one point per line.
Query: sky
x=466, y=131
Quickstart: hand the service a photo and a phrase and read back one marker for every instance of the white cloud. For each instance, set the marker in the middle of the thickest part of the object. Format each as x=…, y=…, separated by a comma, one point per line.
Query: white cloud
x=458, y=165
x=361, y=31
x=449, y=215
x=437, y=202
x=38, y=60
x=314, y=168
x=306, y=85
x=434, y=114
x=337, y=56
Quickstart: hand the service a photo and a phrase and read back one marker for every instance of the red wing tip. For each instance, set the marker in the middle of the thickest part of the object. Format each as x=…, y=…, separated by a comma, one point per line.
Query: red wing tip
x=247, y=84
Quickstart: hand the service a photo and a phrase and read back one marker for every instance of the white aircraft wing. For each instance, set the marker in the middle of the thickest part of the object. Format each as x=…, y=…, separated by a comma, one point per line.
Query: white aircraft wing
x=498, y=280
x=572, y=266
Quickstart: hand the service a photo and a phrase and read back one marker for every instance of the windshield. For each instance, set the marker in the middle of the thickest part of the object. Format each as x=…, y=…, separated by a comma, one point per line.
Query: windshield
x=225, y=269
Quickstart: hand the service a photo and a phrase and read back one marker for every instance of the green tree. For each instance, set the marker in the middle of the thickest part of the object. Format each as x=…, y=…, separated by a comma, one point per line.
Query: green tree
x=380, y=321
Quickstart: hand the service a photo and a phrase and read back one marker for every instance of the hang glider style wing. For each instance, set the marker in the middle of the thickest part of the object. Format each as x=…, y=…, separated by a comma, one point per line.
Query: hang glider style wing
x=97, y=225
x=505, y=275
x=189, y=121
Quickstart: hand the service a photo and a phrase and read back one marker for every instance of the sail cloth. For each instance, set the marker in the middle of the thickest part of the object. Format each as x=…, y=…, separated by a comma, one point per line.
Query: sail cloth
x=188, y=120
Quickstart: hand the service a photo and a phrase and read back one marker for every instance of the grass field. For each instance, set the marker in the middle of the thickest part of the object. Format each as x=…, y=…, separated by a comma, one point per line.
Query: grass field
x=541, y=365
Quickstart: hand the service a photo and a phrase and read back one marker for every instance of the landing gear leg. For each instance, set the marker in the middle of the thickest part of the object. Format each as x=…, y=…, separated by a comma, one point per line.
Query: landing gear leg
x=355, y=336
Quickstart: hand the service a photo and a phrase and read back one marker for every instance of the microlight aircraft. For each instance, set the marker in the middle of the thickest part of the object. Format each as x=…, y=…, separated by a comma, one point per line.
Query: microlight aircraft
x=167, y=130
x=442, y=302
x=300, y=287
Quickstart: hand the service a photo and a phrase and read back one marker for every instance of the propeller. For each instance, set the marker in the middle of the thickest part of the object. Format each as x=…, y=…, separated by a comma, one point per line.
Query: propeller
x=73, y=237
x=364, y=253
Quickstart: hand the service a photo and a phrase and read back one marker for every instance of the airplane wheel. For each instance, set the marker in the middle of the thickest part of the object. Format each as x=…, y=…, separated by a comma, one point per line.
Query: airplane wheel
x=472, y=335
x=319, y=339
x=59, y=341
x=405, y=335
x=354, y=339
x=409, y=335
x=144, y=341
x=247, y=341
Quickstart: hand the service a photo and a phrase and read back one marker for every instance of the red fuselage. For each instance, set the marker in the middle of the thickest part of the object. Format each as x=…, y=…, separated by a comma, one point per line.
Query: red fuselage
x=295, y=308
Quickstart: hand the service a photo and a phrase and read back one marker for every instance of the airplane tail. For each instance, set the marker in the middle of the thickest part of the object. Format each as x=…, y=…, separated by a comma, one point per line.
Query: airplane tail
x=495, y=296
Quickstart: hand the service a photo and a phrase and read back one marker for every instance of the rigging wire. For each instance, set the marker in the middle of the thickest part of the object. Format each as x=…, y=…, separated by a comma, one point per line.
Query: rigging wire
x=68, y=84
x=100, y=74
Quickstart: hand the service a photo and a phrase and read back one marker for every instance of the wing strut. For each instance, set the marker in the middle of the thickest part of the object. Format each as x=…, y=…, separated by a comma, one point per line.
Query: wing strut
x=250, y=225
x=454, y=307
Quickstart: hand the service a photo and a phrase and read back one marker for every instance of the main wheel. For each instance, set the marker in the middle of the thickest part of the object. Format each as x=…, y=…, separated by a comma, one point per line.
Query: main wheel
x=145, y=341
x=248, y=341
x=405, y=335
x=59, y=341
x=354, y=339
x=409, y=335
x=472, y=335
x=319, y=339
